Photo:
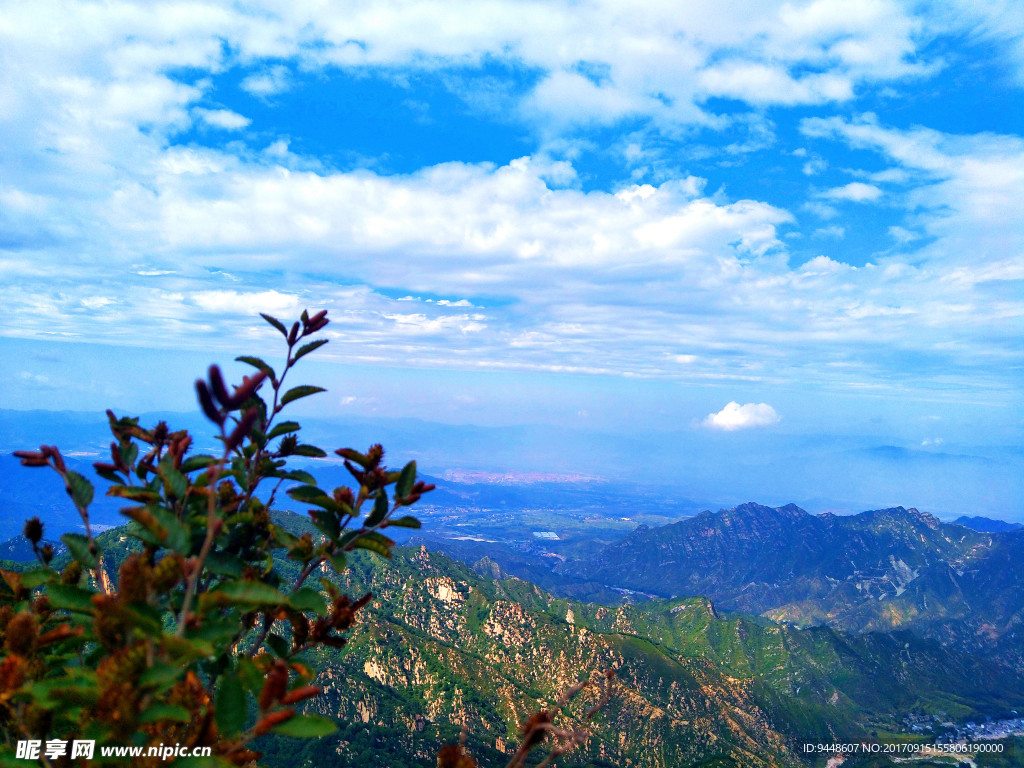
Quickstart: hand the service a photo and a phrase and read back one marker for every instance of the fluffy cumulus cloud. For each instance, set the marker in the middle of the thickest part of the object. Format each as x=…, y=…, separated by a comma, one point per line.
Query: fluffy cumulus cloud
x=114, y=215
x=735, y=416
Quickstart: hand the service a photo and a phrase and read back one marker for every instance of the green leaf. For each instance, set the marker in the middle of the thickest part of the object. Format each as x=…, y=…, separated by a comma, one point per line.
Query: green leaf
x=259, y=440
x=255, y=362
x=129, y=451
x=308, y=599
x=374, y=542
x=305, y=349
x=253, y=592
x=224, y=563
x=298, y=475
x=78, y=545
x=109, y=475
x=406, y=480
x=134, y=493
x=145, y=618
x=338, y=562
x=250, y=675
x=278, y=645
x=232, y=709
x=64, y=691
x=284, y=428
x=380, y=510
x=37, y=577
x=310, y=494
x=192, y=463
x=79, y=489
x=303, y=390
x=284, y=538
x=276, y=323
x=306, y=727
x=70, y=598
x=154, y=713
x=160, y=677
x=178, y=537
x=175, y=483
x=326, y=523
x=309, y=450
x=187, y=649
x=408, y=521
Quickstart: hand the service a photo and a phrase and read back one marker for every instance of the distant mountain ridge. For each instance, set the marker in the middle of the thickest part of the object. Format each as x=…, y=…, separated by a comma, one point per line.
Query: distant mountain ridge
x=879, y=570
x=987, y=524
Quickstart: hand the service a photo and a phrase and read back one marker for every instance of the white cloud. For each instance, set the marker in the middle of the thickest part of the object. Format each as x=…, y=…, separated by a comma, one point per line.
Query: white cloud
x=735, y=416
x=237, y=302
x=902, y=235
x=969, y=195
x=224, y=119
x=821, y=210
x=270, y=82
x=581, y=279
x=758, y=83
x=456, y=225
x=855, y=191
x=459, y=303
x=597, y=62
x=837, y=233
x=815, y=166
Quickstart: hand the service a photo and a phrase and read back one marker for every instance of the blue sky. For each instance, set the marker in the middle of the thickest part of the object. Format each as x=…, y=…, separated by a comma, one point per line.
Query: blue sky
x=798, y=218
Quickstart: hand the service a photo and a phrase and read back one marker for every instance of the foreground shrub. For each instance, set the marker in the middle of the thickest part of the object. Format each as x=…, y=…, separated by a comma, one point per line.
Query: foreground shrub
x=186, y=634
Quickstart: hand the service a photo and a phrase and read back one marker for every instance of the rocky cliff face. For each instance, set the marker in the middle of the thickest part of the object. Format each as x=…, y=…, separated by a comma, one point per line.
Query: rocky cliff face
x=442, y=648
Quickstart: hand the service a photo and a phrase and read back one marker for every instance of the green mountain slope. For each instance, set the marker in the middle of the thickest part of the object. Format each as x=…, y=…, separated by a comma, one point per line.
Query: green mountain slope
x=442, y=646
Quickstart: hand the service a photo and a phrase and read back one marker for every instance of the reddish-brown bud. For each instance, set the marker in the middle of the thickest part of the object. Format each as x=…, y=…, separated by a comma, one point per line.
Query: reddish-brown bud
x=51, y=452
x=535, y=729
x=293, y=334
x=217, y=385
x=300, y=694
x=63, y=632
x=22, y=633
x=31, y=458
x=248, y=387
x=316, y=322
x=374, y=455
x=33, y=530
x=244, y=425
x=206, y=403
x=454, y=756
x=274, y=718
x=117, y=458
x=276, y=685
x=343, y=495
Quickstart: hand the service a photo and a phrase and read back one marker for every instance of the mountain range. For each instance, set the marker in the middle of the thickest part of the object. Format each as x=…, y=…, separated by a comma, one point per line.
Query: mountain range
x=876, y=571
x=443, y=646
